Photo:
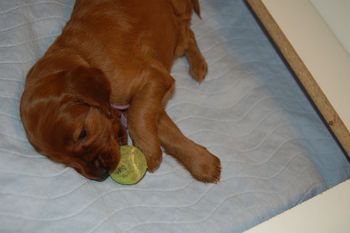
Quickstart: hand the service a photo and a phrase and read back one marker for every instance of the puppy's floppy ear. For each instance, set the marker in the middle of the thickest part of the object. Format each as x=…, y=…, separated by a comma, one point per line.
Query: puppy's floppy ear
x=90, y=86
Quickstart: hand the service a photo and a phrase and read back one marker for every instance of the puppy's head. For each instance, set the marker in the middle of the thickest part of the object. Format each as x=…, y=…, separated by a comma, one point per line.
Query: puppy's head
x=68, y=117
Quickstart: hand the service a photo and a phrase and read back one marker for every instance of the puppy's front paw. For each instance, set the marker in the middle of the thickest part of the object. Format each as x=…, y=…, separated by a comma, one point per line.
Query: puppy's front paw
x=206, y=167
x=153, y=159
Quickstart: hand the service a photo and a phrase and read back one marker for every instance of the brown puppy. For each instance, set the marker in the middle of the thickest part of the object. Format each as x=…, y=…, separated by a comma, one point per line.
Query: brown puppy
x=114, y=52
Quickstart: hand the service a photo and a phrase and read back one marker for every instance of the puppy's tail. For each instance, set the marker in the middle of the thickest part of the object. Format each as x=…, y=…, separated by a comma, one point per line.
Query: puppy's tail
x=196, y=8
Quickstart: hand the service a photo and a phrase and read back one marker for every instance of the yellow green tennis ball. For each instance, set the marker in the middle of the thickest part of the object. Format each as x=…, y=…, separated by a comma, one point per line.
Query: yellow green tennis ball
x=132, y=166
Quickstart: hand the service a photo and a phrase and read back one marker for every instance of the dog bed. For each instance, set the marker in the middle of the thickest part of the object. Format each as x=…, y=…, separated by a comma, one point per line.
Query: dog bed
x=275, y=150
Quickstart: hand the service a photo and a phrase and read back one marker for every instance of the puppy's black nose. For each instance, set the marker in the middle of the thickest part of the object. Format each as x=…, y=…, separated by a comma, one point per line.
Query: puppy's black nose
x=103, y=176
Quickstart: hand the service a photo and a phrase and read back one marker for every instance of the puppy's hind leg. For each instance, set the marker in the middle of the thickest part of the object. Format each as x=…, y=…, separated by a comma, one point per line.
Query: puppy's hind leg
x=198, y=65
x=187, y=44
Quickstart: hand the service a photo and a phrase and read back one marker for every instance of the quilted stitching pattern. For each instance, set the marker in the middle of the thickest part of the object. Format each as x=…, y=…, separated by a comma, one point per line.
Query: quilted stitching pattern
x=275, y=151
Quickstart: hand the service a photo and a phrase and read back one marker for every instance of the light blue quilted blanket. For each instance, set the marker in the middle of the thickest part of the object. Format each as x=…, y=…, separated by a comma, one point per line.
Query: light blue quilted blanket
x=275, y=150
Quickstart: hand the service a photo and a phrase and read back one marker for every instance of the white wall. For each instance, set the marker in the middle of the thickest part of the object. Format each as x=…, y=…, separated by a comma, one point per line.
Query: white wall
x=316, y=44
x=336, y=13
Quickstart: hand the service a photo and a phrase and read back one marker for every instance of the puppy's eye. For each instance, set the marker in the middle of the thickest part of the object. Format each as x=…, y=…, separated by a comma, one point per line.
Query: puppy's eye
x=83, y=135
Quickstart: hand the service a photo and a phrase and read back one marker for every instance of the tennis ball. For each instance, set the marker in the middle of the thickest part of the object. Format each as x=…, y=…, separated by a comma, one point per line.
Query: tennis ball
x=132, y=166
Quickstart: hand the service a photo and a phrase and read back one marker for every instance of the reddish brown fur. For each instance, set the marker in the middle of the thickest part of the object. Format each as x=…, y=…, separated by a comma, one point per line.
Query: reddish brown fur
x=114, y=52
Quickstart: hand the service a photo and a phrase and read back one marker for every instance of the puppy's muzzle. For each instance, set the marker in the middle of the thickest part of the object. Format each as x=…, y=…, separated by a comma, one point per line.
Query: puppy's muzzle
x=103, y=176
